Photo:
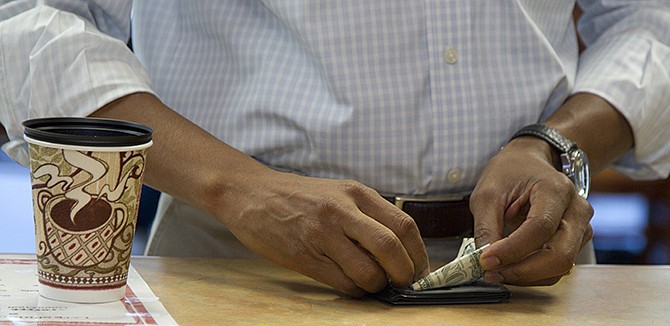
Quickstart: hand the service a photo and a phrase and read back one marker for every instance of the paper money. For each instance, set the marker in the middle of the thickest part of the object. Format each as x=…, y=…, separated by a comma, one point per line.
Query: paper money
x=467, y=246
x=464, y=269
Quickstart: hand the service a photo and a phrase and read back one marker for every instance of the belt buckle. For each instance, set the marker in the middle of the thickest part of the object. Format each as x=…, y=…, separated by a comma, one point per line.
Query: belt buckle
x=400, y=200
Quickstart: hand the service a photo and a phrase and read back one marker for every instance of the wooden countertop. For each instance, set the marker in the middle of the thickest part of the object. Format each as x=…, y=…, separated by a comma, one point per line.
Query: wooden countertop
x=203, y=291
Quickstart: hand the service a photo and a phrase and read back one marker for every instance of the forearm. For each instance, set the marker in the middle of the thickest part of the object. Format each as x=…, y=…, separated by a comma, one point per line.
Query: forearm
x=337, y=232
x=185, y=161
x=627, y=63
x=595, y=126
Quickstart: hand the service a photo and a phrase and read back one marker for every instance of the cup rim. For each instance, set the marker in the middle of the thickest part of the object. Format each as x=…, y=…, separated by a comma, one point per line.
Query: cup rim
x=88, y=148
x=116, y=133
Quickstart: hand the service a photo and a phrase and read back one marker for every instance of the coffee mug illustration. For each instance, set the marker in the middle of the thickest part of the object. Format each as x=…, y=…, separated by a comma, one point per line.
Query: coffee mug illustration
x=85, y=202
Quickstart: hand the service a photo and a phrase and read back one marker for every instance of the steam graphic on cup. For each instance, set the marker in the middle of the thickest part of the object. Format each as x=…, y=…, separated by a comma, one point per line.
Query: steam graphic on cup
x=86, y=163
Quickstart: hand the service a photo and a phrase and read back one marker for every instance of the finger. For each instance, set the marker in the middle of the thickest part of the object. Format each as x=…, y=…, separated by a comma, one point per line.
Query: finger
x=544, y=282
x=509, y=275
x=588, y=235
x=357, y=265
x=323, y=269
x=531, y=271
x=386, y=247
x=391, y=236
x=515, y=215
x=487, y=208
x=513, y=223
x=544, y=216
x=407, y=232
x=556, y=257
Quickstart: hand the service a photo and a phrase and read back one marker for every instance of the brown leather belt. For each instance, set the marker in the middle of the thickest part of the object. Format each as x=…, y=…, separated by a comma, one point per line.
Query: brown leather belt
x=437, y=216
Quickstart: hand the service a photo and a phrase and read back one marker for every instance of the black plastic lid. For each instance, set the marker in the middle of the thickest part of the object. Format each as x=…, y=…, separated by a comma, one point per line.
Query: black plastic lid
x=87, y=132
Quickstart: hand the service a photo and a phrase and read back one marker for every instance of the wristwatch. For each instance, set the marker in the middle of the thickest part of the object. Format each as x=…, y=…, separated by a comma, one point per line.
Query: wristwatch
x=573, y=160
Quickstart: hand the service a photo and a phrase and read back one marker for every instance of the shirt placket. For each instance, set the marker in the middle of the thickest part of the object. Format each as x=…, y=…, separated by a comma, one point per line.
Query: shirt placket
x=448, y=33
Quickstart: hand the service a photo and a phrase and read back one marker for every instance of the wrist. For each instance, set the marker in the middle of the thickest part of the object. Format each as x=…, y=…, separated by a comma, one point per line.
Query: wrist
x=227, y=190
x=572, y=161
x=536, y=147
x=596, y=126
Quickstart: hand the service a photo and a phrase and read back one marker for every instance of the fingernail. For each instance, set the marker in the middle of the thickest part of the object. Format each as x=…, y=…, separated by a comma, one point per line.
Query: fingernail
x=490, y=262
x=493, y=277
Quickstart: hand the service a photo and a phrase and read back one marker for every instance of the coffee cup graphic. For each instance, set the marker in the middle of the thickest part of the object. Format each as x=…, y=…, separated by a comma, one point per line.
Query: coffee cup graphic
x=86, y=181
x=87, y=240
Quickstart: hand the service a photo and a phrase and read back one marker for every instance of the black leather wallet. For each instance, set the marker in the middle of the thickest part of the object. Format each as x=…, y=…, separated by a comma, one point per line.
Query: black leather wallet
x=477, y=292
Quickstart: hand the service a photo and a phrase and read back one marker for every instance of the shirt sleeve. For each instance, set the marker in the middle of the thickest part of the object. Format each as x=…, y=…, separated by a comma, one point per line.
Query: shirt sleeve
x=627, y=62
x=61, y=62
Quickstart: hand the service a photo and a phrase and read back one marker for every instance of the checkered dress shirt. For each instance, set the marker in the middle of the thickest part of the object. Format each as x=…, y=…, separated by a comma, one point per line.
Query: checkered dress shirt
x=405, y=96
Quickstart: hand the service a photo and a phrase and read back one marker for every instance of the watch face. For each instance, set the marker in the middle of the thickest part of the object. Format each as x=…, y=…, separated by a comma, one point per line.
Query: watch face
x=580, y=172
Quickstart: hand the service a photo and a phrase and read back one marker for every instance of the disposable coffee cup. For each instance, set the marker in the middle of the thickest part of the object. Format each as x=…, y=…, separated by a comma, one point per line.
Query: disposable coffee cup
x=86, y=176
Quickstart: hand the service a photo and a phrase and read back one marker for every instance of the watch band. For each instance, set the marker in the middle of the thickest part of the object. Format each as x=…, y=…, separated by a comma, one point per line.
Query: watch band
x=573, y=162
x=548, y=134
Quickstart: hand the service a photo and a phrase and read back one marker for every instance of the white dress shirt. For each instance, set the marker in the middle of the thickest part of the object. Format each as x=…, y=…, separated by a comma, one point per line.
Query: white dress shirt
x=404, y=96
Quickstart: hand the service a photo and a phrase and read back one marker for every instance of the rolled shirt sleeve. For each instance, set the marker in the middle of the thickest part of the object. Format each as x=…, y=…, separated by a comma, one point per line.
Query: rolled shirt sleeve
x=627, y=62
x=59, y=63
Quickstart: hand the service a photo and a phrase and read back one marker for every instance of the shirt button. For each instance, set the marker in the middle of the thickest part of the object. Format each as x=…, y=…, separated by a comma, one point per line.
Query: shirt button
x=450, y=56
x=454, y=175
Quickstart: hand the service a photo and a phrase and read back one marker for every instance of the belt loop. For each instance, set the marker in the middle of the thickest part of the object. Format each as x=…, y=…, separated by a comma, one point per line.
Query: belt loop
x=399, y=203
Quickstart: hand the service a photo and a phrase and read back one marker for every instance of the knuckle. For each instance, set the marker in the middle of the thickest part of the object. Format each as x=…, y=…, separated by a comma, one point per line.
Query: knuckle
x=560, y=187
x=481, y=231
x=586, y=231
x=405, y=225
x=315, y=231
x=354, y=188
x=557, y=181
x=588, y=209
x=484, y=234
x=564, y=183
x=328, y=205
x=483, y=194
x=588, y=234
x=332, y=209
x=388, y=242
x=545, y=223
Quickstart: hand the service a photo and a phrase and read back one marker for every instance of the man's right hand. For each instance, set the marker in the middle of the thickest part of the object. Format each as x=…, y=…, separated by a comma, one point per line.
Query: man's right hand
x=340, y=233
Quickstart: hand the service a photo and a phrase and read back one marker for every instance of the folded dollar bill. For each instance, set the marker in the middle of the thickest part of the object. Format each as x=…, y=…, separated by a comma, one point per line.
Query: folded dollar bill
x=464, y=269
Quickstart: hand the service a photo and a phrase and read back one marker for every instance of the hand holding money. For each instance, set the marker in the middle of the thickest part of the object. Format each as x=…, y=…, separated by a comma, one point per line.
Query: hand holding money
x=464, y=269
